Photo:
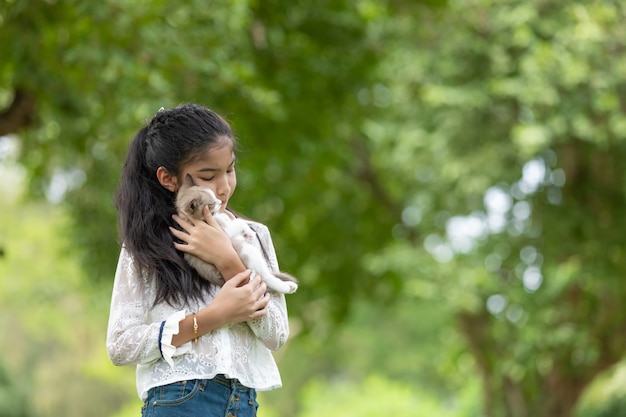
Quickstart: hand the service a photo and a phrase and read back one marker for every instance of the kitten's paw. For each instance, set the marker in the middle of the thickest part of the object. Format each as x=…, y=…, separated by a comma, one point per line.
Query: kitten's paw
x=285, y=287
x=293, y=287
x=289, y=287
x=249, y=236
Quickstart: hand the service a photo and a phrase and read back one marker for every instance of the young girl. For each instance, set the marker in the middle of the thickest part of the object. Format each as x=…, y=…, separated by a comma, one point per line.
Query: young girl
x=200, y=350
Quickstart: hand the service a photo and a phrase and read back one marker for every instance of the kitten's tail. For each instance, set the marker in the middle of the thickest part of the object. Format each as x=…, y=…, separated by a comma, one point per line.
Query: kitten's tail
x=283, y=276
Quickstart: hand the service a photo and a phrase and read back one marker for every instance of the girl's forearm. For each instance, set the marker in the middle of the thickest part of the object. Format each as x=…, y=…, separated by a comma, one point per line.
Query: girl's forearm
x=206, y=320
x=231, y=266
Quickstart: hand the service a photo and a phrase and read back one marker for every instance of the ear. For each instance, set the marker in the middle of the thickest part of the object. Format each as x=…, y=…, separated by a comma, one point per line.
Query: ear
x=167, y=180
x=189, y=181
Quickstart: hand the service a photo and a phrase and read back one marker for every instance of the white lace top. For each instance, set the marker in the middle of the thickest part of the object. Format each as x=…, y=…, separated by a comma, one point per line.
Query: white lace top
x=139, y=334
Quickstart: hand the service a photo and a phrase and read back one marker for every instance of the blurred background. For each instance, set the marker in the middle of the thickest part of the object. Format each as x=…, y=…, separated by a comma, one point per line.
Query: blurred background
x=446, y=179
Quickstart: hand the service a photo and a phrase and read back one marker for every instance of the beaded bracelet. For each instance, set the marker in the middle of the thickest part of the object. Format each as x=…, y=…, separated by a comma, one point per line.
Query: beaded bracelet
x=195, y=329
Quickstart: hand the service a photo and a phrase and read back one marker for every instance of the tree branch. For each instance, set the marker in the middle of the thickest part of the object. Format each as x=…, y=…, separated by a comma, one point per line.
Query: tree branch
x=367, y=174
x=19, y=115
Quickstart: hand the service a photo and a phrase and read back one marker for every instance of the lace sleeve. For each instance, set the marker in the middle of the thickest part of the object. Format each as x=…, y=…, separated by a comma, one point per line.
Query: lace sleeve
x=130, y=340
x=273, y=328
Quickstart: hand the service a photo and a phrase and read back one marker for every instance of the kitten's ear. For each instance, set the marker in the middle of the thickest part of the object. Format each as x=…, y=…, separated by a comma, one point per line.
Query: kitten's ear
x=188, y=181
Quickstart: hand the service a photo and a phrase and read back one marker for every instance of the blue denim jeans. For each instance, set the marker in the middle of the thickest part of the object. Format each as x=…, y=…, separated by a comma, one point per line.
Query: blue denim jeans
x=217, y=397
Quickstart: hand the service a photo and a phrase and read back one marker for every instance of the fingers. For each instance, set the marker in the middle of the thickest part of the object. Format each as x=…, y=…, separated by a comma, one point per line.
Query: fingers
x=185, y=224
x=260, y=289
x=259, y=293
x=239, y=279
x=208, y=217
x=264, y=301
x=188, y=227
x=178, y=233
x=259, y=313
x=244, y=296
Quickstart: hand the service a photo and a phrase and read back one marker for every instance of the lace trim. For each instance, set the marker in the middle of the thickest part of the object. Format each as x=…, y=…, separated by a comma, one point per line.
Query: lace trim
x=171, y=327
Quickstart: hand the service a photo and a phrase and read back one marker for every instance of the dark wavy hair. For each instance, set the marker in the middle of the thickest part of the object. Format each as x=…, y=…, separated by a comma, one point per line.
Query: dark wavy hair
x=172, y=139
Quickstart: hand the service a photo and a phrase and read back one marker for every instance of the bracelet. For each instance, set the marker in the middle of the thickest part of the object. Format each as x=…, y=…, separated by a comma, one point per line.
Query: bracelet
x=195, y=329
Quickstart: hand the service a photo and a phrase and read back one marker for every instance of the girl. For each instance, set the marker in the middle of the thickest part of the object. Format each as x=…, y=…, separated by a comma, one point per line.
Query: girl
x=200, y=350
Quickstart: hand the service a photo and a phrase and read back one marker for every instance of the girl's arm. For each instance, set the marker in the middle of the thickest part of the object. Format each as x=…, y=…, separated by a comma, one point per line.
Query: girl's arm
x=131, y=340
x=272, y=328
x=240, y=299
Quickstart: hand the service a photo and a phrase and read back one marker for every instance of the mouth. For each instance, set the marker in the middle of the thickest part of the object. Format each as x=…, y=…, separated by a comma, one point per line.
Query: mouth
x=217, y=206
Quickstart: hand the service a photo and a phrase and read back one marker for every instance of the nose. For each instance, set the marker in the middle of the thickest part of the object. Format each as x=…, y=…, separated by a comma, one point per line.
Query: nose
x=222, y=188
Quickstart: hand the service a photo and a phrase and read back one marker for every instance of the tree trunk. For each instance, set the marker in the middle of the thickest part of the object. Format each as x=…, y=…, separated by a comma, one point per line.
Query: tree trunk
x=19, y=115
x=554, y=394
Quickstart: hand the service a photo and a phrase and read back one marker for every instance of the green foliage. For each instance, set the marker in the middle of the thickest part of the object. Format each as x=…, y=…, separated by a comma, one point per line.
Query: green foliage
x=614, y=407
x=53, y=321
x=13, y=398
x=372, y=397
x=409, y=343
x=607, y=395
x=99, y=70
x=380, y=351
x=514, y=91
x=470, y=156
x=57, y=321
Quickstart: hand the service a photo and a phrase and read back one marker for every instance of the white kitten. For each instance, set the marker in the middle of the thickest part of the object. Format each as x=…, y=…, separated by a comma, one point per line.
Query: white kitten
x=191, y=199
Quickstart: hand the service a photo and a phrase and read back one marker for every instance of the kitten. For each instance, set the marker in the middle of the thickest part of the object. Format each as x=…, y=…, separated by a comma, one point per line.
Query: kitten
x=191, y=200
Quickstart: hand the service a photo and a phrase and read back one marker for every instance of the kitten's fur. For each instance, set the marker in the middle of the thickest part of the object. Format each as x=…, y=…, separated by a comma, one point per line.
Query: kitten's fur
x=191, y=200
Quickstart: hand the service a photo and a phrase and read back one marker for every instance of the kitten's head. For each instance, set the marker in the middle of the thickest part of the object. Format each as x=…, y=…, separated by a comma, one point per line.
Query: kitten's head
x=192, y=198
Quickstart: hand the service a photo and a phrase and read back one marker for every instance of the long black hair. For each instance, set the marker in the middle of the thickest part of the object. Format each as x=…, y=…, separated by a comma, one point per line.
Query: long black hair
x=172, y=139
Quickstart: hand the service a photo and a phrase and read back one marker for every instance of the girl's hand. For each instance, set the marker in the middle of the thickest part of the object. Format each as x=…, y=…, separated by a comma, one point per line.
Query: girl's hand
x=206, y=240
x=243, y=297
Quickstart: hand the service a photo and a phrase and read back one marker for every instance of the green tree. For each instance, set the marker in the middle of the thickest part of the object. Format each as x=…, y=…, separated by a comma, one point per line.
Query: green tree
x=288, y=78
x=513, y=147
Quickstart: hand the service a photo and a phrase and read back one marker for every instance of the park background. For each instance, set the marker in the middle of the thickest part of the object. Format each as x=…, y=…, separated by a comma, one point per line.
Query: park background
x=446, y=179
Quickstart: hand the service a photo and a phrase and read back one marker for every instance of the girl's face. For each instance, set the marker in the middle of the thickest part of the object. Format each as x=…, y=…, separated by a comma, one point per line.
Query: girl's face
x=214, y=169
